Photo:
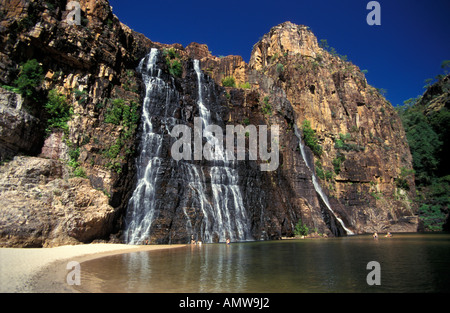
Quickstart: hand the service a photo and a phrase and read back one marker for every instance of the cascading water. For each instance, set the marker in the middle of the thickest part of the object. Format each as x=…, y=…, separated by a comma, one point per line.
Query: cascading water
x=316, y=184
x=201, y=198
x=229, y=218
x=140, y=211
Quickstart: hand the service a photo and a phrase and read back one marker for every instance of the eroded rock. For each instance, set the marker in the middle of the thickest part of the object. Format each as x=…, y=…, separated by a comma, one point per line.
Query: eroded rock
x=40, y=206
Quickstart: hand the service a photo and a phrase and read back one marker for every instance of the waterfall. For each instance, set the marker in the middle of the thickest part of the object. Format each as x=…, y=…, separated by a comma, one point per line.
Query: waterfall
x=141, y=206
x=229, y=214
x=316, y=184
x=174, y=200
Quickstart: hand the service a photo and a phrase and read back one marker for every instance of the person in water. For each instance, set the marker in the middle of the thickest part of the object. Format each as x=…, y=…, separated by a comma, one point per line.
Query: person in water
x=228, y=241
x=388, y=235
x=375, y=235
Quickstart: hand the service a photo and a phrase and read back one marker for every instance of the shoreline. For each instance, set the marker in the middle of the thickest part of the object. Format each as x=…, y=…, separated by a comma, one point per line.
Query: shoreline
x=43, y=270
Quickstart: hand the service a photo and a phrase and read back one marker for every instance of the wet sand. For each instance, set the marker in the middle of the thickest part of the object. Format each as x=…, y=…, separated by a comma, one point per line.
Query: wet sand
x=44, y=270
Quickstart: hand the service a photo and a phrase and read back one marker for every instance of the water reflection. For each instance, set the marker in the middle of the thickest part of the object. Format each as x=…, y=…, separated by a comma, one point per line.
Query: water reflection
x=409, y=263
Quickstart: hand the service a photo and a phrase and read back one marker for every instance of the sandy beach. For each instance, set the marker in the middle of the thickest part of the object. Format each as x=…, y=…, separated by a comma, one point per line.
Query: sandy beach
x=44, y=270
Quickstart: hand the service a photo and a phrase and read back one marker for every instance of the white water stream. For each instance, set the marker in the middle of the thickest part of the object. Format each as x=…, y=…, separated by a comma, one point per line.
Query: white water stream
x=316, y=184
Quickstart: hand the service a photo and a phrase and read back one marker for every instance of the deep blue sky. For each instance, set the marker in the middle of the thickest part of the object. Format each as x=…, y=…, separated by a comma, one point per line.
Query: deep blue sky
x=408, y=47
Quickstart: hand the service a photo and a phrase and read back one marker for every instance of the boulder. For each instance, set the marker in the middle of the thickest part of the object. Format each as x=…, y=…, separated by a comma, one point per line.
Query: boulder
x=40, y=206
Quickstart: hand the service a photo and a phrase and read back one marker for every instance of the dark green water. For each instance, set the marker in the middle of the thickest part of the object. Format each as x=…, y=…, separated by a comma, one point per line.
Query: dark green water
x=408, y=263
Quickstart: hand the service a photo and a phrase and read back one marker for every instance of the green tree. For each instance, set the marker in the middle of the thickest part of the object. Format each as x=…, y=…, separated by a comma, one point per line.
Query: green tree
x=59, y=111
x=445, y=65
x=30, y=77
x=280, y=68
x=337, y=162
x=173, y=62
x=229, y=81
x=424, y=144
x=310, y=138
x=301, y=229
x=175, y=68
x=440, y=122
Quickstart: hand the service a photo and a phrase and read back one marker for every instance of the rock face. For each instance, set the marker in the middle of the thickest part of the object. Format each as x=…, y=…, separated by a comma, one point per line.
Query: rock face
x=353, y=122
x=19, y=130
x=289, y=79
x=93, y=66
x=364, y=145
x=286, y=38
x=41, y=207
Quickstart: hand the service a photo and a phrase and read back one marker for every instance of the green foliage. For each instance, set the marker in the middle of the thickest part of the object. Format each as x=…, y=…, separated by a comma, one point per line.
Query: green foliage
x=74, y=154
x=402, y=180
x=29, y=20
x=229, y=81
x=440, y=122
x=382, y=91
x=59, y=111
x=113, y=151
x=337, y=162
x=280, y=68
x=122, y=113
x=321, y=173
x=301, y=229
x=81, y=96
x=310, y=138
x=30, y=77
x=432, y=216
x=173, y=62
x=445, y=65
x=114, y=114
x=428, y=135
x=324, y=45
x=424, y=144
x=175, y=68
x=245, y=85
x=126, y=115
x=273, y=58
x=79, y=172
x=11, y=88
x=319, y=170
x=342, y=143
x=171, y=53
x=4, y=161
x=266, y=108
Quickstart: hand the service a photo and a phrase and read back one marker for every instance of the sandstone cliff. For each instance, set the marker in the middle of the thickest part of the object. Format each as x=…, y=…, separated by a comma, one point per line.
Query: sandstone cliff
x=365, y=150
x=364, y=144
x=91, y=65
x=289, y=79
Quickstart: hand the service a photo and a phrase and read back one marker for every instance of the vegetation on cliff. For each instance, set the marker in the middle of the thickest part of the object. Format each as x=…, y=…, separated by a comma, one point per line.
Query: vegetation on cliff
x=91, y=97
x=426, y=120
x=310, y=138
